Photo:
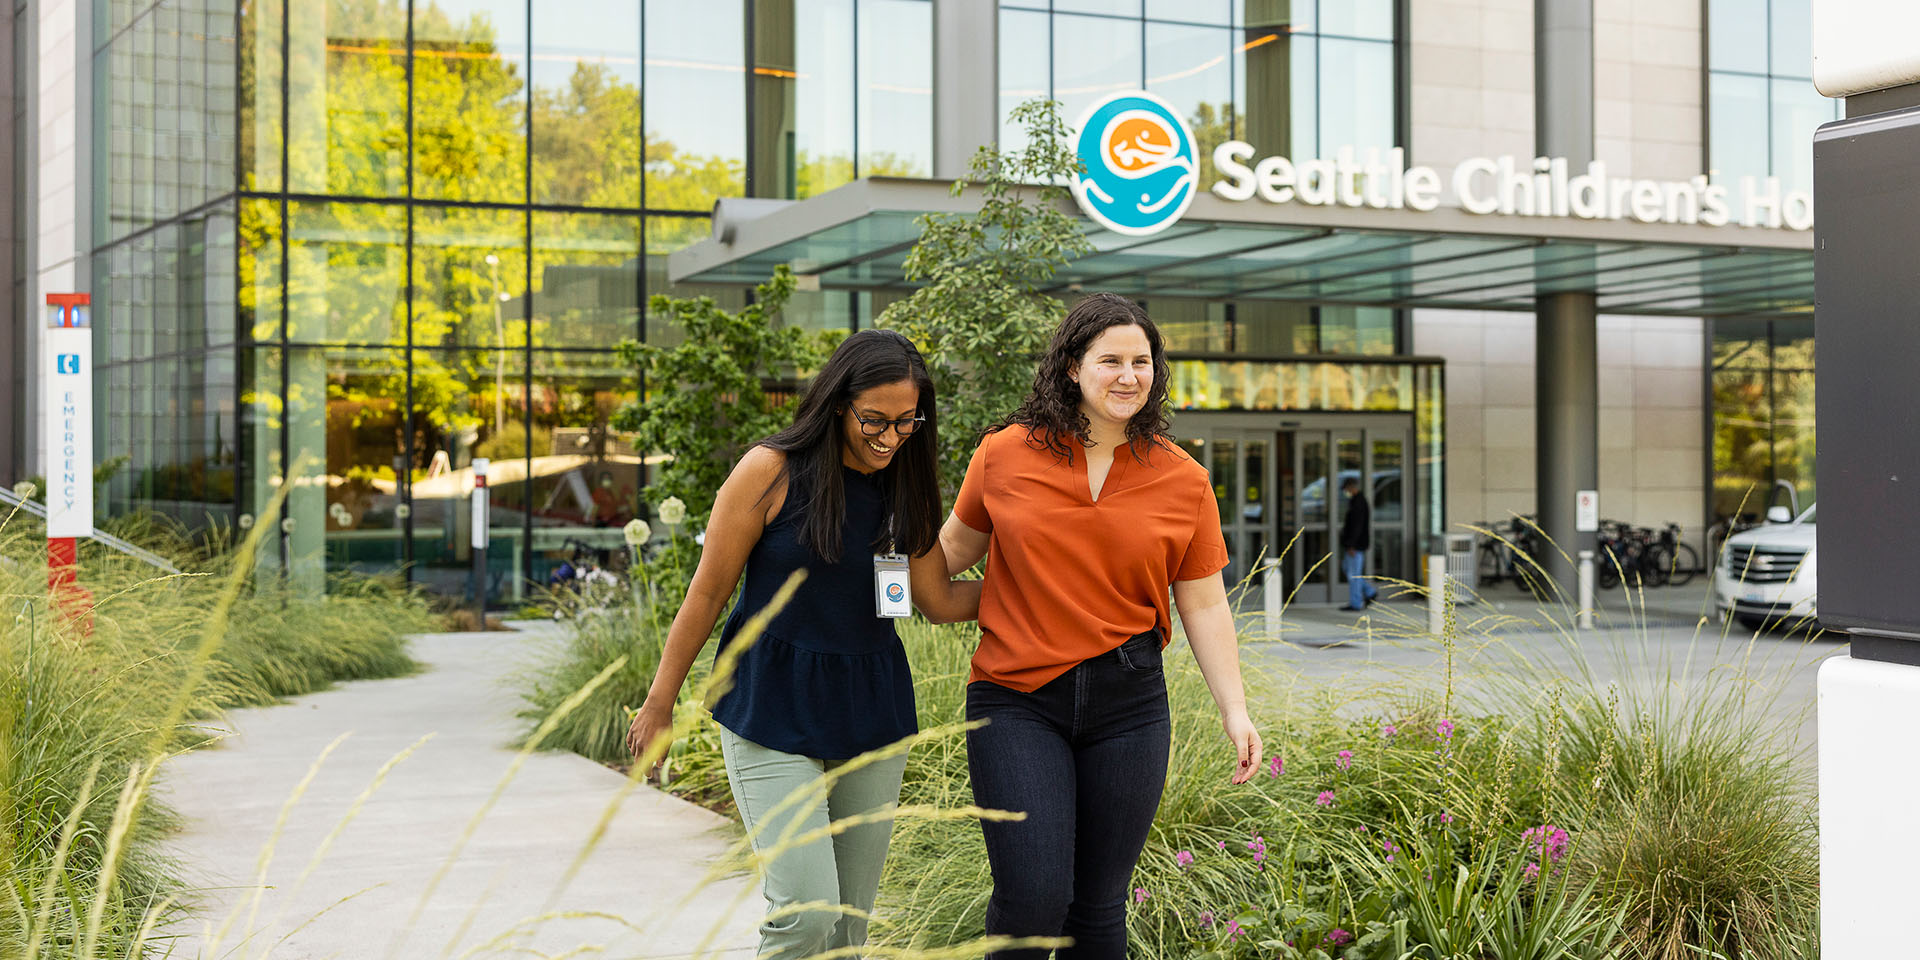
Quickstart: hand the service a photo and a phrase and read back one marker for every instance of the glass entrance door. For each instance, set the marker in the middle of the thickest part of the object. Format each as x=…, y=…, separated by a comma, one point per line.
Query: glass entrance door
x=1278, y=486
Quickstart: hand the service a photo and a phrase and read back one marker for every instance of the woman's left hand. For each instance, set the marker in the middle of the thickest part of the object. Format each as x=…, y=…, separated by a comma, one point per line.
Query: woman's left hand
x=1246, y=744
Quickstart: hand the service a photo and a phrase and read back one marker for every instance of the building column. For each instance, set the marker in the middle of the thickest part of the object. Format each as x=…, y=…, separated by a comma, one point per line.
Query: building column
x=1566, y=422
x=1566, y=352
x=966, y=88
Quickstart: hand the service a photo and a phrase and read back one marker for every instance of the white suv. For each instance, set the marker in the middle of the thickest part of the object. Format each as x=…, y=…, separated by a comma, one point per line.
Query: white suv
x=1766, y=575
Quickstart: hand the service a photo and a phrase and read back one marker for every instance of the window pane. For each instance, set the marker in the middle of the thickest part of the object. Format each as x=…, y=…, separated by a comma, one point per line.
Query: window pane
x=1797, y=110
x=585, y=479
x=1092, y=58
x=1742, y=443
x=1356, y=95
x=896, y=88
x=218, y=294
x=696, y=100
x=347, y=98
x=586, y=279
x=1118, y=8
x=467, y=404
x=1737, y=35
x=469, y=278
x=1793, y=344
x=346, y=416
x=1740, y=343
x=347, y=273
x=1791, y=27
x=802, y=97
x=1793, y=432
x=665, y=235
x=1372, y=19
x=1737, y=128
x=586, y=103
x=258, y=292
x=1192, y=326
x=1024, y=55
x=470, y=100
x=1190, y=67
x=1217, y=13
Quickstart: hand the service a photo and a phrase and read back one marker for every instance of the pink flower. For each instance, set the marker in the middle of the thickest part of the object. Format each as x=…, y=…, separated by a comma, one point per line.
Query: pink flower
x=1325, y=798
x=1184, y=858
x=1206, y=918
x=1259, y=847
x=1547, y=841
x=1234, y=930
x=1140, y=895
x=1344, y=759
x=1532, y=871
x=1446, y=817
x=1339, y=937
x=1444, y=728
x=1276, y=767
x=1389, y=731
x=1390, y=848
x=1223, y=844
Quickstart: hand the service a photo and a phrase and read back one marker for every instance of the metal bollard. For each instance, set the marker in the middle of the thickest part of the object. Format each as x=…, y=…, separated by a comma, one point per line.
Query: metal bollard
x=480, y=537
x=1436, y=593
x=1274, y=598
x=1586, y=589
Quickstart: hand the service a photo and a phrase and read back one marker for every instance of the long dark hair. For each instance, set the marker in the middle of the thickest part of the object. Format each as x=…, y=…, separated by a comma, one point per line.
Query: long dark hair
x=1052, y=408
x=868, y=359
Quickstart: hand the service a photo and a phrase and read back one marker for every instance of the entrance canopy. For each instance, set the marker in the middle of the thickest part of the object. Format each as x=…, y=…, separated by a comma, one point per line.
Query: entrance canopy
x=858, y=236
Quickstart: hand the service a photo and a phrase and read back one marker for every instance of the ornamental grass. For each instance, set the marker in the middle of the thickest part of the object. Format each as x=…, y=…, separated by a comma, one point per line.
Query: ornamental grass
x=86, y=716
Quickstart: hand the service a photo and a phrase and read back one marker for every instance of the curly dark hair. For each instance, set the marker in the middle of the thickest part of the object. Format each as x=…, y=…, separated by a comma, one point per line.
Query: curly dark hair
x=1052, y=408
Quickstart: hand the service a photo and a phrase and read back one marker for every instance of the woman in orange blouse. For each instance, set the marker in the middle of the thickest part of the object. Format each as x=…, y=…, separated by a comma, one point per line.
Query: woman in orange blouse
x=1087, y=514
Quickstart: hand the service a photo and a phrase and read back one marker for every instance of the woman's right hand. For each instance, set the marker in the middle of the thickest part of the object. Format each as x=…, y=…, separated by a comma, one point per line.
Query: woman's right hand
x=649, y=723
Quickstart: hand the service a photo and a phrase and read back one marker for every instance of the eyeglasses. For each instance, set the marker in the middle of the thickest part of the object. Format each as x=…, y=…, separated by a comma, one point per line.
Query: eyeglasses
x=905, y=426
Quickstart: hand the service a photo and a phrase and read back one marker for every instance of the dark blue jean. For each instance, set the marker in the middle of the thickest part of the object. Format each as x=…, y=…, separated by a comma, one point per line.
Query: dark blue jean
x=1085, y=757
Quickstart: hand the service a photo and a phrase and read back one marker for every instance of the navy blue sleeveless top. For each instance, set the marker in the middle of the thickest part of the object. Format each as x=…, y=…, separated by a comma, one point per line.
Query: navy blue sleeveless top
x=827, y=678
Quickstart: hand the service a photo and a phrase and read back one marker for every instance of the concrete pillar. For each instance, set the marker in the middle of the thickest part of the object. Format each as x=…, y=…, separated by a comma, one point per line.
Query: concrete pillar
x=1566, y=372
x=966, y=90
x=1566, y=422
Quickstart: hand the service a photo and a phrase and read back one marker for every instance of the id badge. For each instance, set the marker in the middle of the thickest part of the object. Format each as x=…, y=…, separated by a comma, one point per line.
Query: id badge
x=892, y=587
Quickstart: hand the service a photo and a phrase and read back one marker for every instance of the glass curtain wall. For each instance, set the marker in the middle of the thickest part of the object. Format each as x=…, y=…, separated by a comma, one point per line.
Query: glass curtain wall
x=165, y=223
x=1762, y=108
x=1763, y=432
x=346, y=247
x=1762, y=112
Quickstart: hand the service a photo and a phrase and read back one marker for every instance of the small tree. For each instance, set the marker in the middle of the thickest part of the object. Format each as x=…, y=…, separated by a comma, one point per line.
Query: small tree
x=981, y=317
x=706, y=400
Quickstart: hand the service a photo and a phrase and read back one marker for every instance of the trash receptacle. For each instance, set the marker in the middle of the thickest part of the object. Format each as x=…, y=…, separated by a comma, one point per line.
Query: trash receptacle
x=1463, y=562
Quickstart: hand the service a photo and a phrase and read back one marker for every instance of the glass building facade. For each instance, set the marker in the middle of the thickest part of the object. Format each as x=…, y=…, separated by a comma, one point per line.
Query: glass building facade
x=1762, y=110
x=342, y=248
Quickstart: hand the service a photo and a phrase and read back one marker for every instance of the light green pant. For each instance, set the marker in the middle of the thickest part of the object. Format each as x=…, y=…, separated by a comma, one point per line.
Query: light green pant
x=843, y=869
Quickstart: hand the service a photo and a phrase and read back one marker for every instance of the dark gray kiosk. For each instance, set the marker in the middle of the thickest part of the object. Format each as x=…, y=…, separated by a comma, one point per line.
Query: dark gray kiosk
x=1866, y=171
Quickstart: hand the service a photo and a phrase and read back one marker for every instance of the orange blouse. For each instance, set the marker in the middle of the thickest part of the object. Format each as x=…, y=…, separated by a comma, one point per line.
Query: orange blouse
x=1070, y=577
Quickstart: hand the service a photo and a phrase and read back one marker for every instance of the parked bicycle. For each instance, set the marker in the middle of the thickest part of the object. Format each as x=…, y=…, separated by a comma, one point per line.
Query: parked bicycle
x=1642, y=556
x=1511, y=551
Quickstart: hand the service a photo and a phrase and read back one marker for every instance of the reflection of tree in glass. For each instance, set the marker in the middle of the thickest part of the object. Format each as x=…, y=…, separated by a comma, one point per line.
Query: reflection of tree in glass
x=1212, y=126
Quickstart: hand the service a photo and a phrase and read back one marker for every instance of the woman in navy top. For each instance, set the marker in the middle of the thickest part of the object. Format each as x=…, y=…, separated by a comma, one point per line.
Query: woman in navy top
x=827, y=680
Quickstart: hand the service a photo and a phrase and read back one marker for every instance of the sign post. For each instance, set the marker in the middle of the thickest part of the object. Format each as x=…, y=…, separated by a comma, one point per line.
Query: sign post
x=480, y=538
x=66, y=402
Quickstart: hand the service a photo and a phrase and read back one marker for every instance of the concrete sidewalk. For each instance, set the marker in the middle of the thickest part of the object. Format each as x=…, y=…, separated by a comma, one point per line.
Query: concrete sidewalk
x=355, y=905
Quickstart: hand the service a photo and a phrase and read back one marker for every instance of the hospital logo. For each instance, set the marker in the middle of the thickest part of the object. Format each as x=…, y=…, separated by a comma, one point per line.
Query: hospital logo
x=67, y=363
x=894, y=592
x=1141, y=172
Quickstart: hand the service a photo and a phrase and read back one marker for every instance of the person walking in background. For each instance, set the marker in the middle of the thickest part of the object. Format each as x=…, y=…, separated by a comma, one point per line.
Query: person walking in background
x=851, y=483
x=1087, y=514
x=1356, y=535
